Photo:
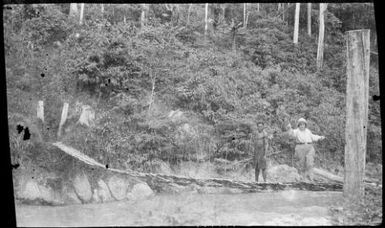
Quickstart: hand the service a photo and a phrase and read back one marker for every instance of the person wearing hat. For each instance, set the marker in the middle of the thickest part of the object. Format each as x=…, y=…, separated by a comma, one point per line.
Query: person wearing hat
x=304, y=150
x=259, y=141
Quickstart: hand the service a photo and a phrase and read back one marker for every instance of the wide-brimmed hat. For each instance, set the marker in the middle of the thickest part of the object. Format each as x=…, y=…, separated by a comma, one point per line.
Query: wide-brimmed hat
x=301, y=120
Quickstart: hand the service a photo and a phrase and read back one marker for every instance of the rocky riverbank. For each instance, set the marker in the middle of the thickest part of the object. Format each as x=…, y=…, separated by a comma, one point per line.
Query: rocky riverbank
x=35, y=186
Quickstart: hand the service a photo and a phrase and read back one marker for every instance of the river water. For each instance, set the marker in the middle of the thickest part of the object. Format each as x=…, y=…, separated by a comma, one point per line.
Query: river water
x=270, y=208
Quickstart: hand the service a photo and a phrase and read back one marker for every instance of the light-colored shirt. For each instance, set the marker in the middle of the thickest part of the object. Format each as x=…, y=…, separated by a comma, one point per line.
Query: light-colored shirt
x=304, y=136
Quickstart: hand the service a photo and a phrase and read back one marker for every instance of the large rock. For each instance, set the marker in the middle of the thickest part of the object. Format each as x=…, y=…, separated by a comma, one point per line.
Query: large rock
x=69, y=196
x=140, y=191
x=118, y=187
x=95, y=196
x=87, y=116
x=104, y=193
x=282, y=173
x=31, y=191
x=82, y=187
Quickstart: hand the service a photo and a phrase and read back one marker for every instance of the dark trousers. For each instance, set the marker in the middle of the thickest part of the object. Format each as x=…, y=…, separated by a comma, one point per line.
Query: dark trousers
x=260, y=162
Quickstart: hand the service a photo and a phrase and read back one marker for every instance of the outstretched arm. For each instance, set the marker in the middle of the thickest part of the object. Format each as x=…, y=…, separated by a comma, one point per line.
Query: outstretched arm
x=315, y=138
x=290, y=131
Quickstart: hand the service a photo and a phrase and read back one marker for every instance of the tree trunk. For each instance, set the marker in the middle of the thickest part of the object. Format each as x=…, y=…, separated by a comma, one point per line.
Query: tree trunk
x=296, y=23
x=357, y=96
x=40, y=111
x=73, y=10
x=162, y=182
x=244, y=15
x=188, y=14
x=81, y=13
x=152, y=94
x=102, y=8
x=309, y=19
x=143, y=16
x=206, y=21
x=257, y=7
x=234, y=40
x=63, y=118
x=320, y=50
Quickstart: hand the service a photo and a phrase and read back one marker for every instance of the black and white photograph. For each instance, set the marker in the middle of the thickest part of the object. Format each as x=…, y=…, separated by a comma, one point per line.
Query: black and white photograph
x=193, y=114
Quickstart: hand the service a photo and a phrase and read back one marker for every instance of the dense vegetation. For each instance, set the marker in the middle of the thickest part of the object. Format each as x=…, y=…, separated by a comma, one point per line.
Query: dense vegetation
x=134, y=76
x=218, y=84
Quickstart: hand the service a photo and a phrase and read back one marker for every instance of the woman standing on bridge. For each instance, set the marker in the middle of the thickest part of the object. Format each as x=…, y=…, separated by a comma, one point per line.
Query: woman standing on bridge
x=304, y=150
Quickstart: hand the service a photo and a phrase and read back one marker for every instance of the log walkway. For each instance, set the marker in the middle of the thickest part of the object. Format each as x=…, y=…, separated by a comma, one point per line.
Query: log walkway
x=161, y=181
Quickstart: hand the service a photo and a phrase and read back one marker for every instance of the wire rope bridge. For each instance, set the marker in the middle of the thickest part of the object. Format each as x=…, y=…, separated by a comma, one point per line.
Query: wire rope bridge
x=162, y=181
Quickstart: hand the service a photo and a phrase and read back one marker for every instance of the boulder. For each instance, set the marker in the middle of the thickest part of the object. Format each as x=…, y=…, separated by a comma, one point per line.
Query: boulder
x=282, y=173
x=31, y=191
x=140, y=191
x=104, y=193
x=82, y=187
x=118, y=187
x=95, y=196
x=69, y=196
x=87, y=116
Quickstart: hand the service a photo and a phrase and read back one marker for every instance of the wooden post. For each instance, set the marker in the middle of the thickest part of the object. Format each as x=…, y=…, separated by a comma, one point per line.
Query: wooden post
x=296, y=23
x=357, y=96
x=40, y=110
x=320, y=49
x=63, y=118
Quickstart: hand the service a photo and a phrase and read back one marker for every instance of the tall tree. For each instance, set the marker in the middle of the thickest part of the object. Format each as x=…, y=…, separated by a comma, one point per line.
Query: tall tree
x=102, y=8
x=309, y=19
x=258, y=7
x=321, y=33
x=244, y=15
x=81, y=13
x=73, y=10
x=143, y=15
x=206, y=19
x=188, y=14
x=296, y=23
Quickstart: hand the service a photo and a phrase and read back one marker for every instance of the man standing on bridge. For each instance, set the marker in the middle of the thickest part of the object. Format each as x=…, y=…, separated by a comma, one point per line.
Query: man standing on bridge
x=304, y=150
x=259, y=141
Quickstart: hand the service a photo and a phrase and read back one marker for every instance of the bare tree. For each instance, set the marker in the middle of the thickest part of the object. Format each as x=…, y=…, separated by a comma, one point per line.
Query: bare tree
x=320, y=49
x=309, y=19
x=81, y=13
x=143, y=15
x=296, y=23
x=244, y=15
x=206, y=20
x=73, y=10
x=188, y=14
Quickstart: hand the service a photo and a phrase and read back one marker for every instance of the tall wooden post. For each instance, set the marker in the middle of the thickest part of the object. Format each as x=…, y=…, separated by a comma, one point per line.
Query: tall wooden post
x=357, y=96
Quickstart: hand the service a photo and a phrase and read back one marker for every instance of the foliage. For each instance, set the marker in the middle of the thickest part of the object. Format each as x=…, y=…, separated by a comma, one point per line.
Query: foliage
x=134, y=76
